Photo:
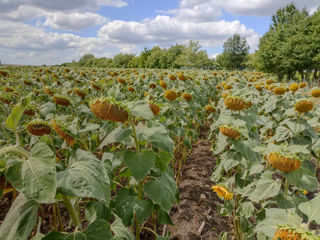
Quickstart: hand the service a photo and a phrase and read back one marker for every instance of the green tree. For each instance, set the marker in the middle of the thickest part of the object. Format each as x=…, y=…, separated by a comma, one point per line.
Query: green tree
x=85, y=58
x=235, y=52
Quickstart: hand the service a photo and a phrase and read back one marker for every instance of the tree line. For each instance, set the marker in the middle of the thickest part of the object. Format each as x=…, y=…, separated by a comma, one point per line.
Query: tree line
x=178, y=56
x=290, y=47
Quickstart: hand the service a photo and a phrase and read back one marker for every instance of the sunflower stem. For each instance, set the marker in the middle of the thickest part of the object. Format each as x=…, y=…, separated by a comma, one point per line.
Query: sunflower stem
x=135, y=135
x=71, y=211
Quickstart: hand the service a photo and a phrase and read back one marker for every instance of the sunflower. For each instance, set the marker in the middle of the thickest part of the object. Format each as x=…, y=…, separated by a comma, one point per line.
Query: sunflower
x=152, y=85
x=230, y=132
x=293, y=233
x=8, y=89
x=106, y=109
x=222, y=192
x=279, y=90
x=131, y=89
x=38, y=128
x=172, y=77
x=79, y=92
x=227, y=87
x=48, y=91
x=283, y=162
x=62, y=132
x=29, y=112
x=235, y=103
x=61, y=100
x=304, y=106
x=258, y=87
x=3, y=73
x=181, y=77
x=210, y=108
x=294, y=87
x=187, y=97
x=303, y=85
x=315, y=93
x=154, y=108
x=163, y=84
x=170, y=95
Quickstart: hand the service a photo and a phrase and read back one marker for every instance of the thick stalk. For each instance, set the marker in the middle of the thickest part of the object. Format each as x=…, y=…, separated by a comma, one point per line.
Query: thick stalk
x=71, y=211
x=135, y=135
x=15, y=150
x=58, y=215
x=286, y=188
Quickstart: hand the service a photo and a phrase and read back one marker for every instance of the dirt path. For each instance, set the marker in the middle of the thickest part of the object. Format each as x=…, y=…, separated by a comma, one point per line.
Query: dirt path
x=196, y=217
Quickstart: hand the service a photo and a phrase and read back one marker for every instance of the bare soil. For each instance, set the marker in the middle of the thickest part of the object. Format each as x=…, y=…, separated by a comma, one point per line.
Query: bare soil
x=197, y=214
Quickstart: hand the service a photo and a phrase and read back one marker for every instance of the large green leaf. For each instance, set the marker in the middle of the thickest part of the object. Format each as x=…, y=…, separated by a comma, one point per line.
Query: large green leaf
x=127, y=204
x=120, y=134
x=266, y=187
x=98, y=230
x=65, y=236
x=86, y=176
x=120, y=231
x=141, y=109
x=311, y=209
x=38, y=174
x=162, y=190
x=16, y=113
x=140, y=163
x=276, y=217
x=20, y=220
x=246, y=149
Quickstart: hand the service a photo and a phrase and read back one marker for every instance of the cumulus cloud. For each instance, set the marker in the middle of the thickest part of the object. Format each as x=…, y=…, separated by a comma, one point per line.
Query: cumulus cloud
x=164, y=30
x=73, y=21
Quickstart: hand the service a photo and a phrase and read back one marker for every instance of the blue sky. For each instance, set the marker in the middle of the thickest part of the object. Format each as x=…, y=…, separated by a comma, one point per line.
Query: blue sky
x=52, y=32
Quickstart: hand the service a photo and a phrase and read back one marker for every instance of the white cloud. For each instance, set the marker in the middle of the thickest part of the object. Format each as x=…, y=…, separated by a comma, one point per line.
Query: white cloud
x=261, y=7
x=214, y=56
x=166, y=30
x=73, y=21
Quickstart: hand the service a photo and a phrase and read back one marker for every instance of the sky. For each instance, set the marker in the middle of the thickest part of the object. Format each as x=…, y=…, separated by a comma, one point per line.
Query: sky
x=36, y=32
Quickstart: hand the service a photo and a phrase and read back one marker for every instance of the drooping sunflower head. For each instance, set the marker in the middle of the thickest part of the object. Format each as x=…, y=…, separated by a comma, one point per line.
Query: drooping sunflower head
x=152, y=85
x=227, y=87
x=108, y=109
x=48, y=91
x=172, y=77
x=210, y=108
x=187, y=97
x=38, y=128
x=284, y=162
x=154, y=108
x=225, y=94
x=288, y=232
x=235, y=103
x=63, y=132
x=181, y=77
x=80, y=92
x=171, y=95
x=303, y=85
x=315, y=93
x=131, y=89
x=304, y=106
x=229, y=131
x=61, y=100
x=279, y=90
x=294, y=87
x=163, y=84
x=222, y=192
x=258, y=87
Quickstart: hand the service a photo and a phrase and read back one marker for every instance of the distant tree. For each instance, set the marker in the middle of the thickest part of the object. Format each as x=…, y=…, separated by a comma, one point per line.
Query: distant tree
x=122, y=60
x=85, y=58
x=235, y=52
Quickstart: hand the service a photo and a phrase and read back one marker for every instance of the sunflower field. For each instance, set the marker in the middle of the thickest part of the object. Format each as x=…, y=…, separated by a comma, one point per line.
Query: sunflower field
x=92, y=153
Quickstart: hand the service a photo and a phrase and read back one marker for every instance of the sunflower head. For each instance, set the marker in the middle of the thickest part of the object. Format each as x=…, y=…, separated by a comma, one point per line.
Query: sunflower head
x=152, y=85
x=315, y=93
x=38, y=128
x=172, y=77
x=3, y=73
x=229, y=132
x=154, y=108
x=227, y=87
x=107, y=109
x=235, y=103
x=222, y=192
x=131, y=89
x=210, y=108
x=288, y=232
x=80, y=92
x=258, y=87
x=8, y=89
x=61, y=100
x=63, y=132
x=187, y=97
x=181, y=77
x=279, y=90
x=163, y=84
x=304, y=106
x=294, y=87
x=284, y=162
x=171, y=95
x=303, y=85
x=225, y=94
